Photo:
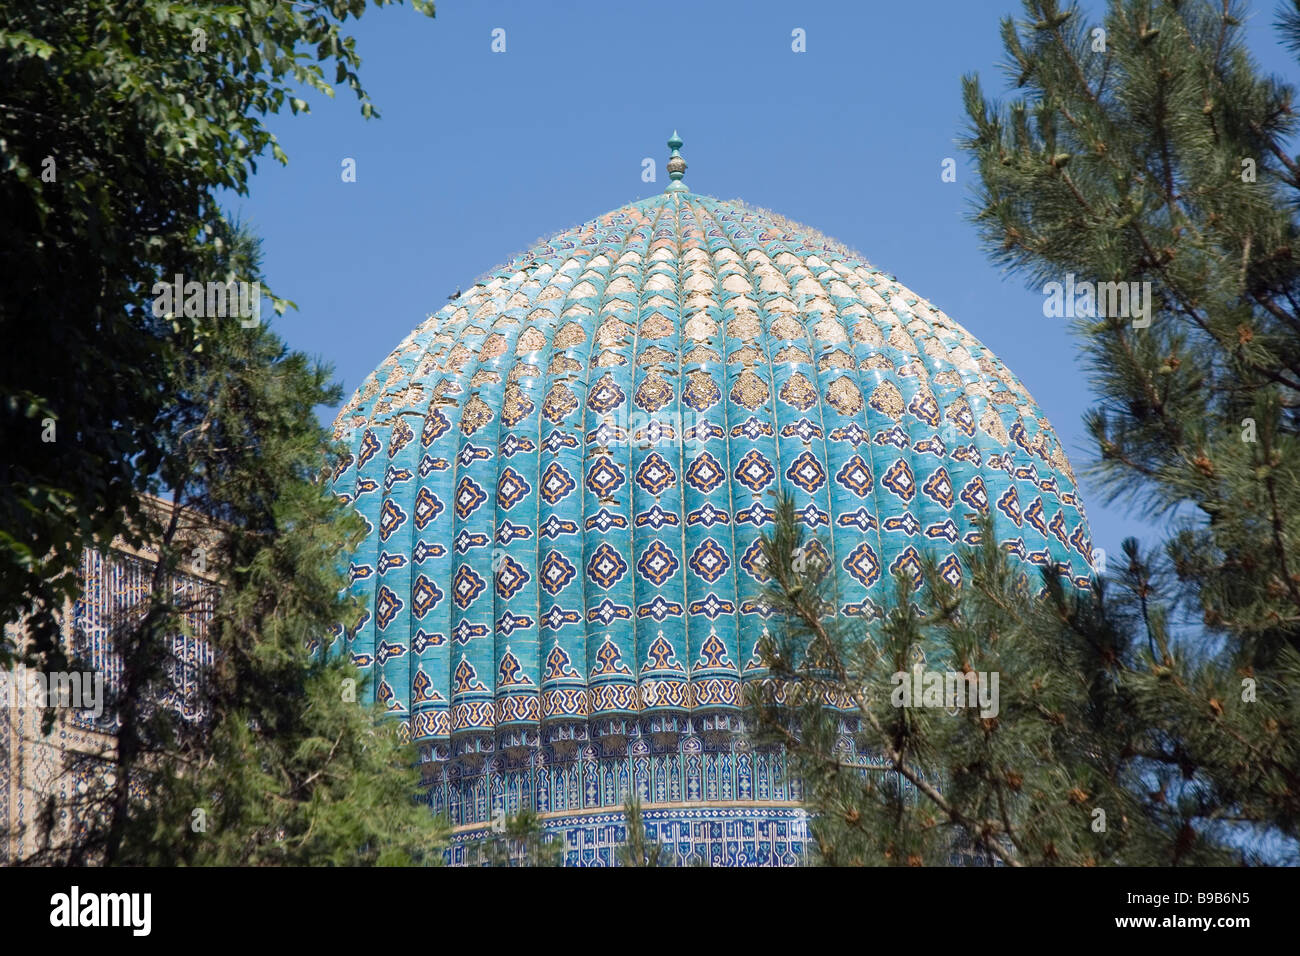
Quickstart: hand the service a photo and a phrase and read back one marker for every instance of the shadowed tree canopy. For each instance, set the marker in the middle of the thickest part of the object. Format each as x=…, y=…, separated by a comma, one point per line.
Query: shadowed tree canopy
x=120, y=123
x=260, y=747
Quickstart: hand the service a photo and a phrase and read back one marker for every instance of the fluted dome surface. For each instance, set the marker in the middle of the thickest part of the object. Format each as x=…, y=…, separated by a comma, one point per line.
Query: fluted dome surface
x=566, y=470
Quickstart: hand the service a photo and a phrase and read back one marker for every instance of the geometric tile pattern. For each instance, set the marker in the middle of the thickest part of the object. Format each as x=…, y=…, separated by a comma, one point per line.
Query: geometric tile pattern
x=36, y=766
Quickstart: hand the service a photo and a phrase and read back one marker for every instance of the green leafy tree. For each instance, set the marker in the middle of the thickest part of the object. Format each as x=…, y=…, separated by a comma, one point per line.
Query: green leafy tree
x=272, y=759
x=120, y=125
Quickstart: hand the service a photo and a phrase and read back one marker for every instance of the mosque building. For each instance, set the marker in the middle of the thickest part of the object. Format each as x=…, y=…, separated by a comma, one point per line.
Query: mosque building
x=565, y=473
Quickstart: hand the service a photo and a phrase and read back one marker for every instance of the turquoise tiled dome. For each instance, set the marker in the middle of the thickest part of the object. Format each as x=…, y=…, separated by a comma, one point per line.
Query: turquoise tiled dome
x=565, y=472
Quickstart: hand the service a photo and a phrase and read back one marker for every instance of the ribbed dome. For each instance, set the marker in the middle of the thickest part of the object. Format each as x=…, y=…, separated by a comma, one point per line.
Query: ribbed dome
x=566, y=470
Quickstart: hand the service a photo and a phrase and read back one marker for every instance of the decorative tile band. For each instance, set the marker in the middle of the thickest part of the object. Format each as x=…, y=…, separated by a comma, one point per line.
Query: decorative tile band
x=758, y=835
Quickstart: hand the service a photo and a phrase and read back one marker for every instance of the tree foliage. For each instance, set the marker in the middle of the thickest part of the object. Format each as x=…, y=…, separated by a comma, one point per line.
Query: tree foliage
x=1143, y=148
x=1162, y=159
x=120, y=126
x=270, y=757
x=1099, y=749
x=639, y=849
x=1179, y=176
x=517, y=840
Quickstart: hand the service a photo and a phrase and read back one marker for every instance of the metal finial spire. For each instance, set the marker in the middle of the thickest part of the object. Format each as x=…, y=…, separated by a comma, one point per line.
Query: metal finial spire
x=676, y=165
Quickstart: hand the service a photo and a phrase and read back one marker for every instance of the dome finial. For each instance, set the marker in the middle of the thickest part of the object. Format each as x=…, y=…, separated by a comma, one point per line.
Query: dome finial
x=676, y=165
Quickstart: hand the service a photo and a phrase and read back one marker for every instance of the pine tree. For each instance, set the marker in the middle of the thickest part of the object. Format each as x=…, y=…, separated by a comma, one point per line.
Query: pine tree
x=1177, y=176
x=1070, y=765
x=638, y=850
x=1142, y=149
x=1148, y=149
x=516, y=840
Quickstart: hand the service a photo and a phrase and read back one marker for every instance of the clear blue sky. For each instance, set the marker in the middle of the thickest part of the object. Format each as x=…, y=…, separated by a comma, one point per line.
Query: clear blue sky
x=478, y=154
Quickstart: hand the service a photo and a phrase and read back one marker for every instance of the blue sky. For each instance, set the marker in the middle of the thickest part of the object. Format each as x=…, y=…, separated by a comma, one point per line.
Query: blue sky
x=478, y=154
